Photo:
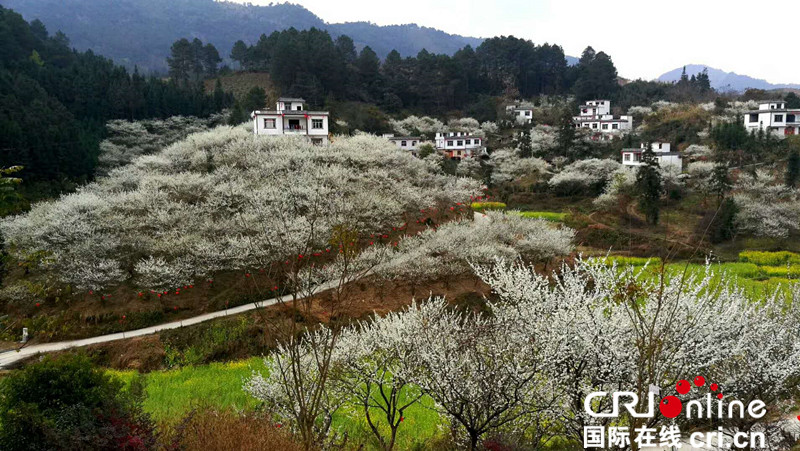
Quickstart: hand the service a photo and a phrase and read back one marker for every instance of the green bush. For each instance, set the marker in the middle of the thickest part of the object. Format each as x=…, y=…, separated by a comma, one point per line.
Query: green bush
x=483, y=206
x=786, y=271
x=770, y=258
x=66, y=403
x=546, y=215
x=627, y=261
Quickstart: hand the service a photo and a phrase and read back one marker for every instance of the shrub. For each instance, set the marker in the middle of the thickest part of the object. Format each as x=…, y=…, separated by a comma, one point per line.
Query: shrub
x=546, y=215
x=212, y=429
x=483, y=206
x=769, y=258
x=626, y=261
x=66, y=403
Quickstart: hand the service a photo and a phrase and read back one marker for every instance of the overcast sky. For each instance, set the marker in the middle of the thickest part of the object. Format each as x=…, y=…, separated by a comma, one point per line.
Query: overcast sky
x=645, y=38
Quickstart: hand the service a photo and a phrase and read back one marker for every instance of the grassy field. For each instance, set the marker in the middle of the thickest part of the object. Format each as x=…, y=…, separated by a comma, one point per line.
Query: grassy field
x=756, y=273
x=172, y=394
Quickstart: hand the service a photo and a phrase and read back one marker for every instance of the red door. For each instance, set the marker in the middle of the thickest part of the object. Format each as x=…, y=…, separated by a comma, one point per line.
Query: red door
x=788, y=131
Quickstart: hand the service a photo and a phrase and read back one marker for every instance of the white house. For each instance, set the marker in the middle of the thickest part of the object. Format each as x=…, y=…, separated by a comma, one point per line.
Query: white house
x=773, y=116
x=459, y=145
x=291, y=118
x=522, y=115
x=409, y=143
x=661, y=151
x=595, y=116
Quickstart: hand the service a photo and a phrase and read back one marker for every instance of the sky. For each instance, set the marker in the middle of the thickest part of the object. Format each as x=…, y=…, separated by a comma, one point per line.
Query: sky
x=645, y=38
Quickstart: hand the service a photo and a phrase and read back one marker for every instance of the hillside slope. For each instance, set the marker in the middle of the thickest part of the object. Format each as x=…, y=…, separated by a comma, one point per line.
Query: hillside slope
x=140, y=32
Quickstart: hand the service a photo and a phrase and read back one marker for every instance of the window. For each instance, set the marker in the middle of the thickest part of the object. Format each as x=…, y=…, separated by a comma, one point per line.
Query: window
x=460, y=143
x=269, y=123
x=316, y=123
x=614, y=126
x=316, y=141
x=627, y=157
x=790, y=118
x=605, y=126
x=754, y=118
x=469, y=141
x=449, y=143
x=778, y=118
x=594, y=125
x=586, y=125
x=659, y=146
x=413, y=143
x=299, y=108
x=402, y=143
x=527, y=113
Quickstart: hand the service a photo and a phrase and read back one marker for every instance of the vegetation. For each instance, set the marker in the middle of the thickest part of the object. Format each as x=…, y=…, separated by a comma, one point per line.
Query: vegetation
x=41, y=78
x=67, y=403
x=483, y=206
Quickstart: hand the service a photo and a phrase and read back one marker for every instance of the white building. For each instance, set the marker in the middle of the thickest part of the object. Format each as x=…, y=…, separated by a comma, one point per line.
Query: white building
x=522, y=115
x=595, y=116
x=409, y=143
x=662, y=154
x=459, y=145
x=773, y=116
x=291, y=118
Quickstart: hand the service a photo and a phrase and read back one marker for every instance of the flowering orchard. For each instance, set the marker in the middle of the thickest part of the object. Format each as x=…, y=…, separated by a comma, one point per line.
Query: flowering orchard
x=523, y=371
x=225, y=200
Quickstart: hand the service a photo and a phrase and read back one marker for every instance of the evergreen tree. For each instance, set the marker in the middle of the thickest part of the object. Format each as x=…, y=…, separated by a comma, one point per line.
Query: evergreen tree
x=792, y=169
x=255, y=99
x=239, y=53
x=210, y=60
x=792, y=100
x=648, y=184
x=720, y=181
x=723, y=226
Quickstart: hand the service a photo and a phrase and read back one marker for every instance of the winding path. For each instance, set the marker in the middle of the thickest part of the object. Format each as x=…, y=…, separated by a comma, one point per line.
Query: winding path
x=10, y=357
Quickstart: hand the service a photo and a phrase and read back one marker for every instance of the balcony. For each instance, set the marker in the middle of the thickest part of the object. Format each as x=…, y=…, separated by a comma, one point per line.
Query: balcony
x=295, y=129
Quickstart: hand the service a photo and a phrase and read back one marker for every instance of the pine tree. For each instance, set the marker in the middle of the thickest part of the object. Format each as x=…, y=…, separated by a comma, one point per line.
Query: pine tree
x=720, y=181
x=648, y=184
x=793, y=169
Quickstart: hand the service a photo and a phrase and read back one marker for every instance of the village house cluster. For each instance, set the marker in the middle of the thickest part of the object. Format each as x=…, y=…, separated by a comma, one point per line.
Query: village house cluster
x=291, y=118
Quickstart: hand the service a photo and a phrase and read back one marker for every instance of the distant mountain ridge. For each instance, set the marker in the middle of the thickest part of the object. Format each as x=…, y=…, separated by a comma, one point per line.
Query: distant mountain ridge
x=140, y=32
x=725, y=81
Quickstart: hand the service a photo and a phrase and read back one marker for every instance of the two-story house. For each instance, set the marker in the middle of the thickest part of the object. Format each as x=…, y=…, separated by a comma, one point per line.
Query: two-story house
x=662, y=155
x=458, y=145
x=291, y=118
x=409, y=143
x=595, y=116
x=772, y=116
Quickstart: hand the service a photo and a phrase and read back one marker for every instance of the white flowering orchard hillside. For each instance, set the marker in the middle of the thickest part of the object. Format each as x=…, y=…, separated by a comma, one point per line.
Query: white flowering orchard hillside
x=766, y=208
x=449, y=250
x=225, y=200
x=526, y=368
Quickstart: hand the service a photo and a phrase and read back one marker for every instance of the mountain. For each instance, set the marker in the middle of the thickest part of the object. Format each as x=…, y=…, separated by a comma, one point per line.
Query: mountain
x=725, y=81
x=140, y=32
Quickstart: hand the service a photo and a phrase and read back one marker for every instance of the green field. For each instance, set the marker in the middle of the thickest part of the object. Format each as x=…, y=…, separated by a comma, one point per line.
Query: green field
x=172, y=394
x=754, y=273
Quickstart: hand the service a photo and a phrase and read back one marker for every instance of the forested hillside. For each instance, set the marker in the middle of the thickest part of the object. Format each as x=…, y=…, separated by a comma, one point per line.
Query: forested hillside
x=139, y=32
x=314, y=65
x=56, y=101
